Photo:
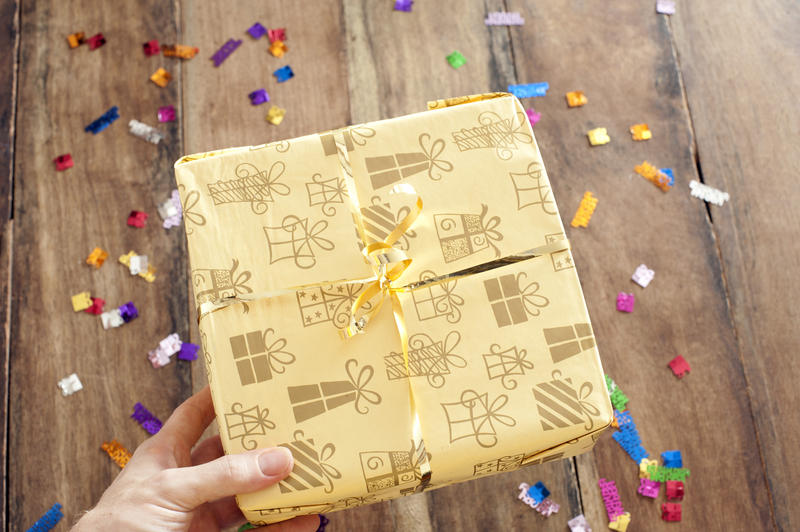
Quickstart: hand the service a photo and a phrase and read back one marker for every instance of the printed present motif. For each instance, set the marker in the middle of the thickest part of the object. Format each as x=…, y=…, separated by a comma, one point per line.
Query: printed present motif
x=248, y=423
x=213, y=284
x=379, y=221
x=388, y=169
x=502, y=364
x=562, y=260
x=251, y=185
x=461, y=235
x=504, y=463
x=255, y=360
x=330, y=303
x=474, y=417
x=353, y=136
x=569, y=340
x=311, y=469
x=388, y=469
x=311, y=400
x=192, y=198
x=511, y=303
x=436, y=300
x=560, y=405
x=531, y=190
x=492, y=131
x=426, y=358
x=293, y=240
x=325, y=192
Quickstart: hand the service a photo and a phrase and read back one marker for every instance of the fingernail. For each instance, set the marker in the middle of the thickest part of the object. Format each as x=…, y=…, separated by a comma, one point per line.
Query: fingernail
x=275, y=461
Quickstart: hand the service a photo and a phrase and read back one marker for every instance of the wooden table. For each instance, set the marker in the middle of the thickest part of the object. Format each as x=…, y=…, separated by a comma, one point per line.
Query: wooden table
x=717, y=83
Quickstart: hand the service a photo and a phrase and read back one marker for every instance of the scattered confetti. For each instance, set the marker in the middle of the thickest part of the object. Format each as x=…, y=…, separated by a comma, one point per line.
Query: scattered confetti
x=276, y=34
x=652, y=174
x=585, y=210
x=641, y=132
x=644, y=463
x=111, y=318
x=669, y=173
x=70, y=385
x=403, y=5
x=578, y=524
x=76, y=39
x=643, y=275
x=529, y=90
x=161, y=355
x=117, y=452
x=138, y=264
x=97, y=306
x=617, y=516
x=672, y=459
x=284, y=73
x=618, y=399
x=144, y=132
x=663, y=474
x=456, y=60
x=96, y=41
x=63, y=162
x=675, y=489
x=533, y=116
x=628, y=437
x=151, y=48
x=258, y=97
x=275, y=115
x=625, y=302
x=148, y=421
x=671, y=511
x=665, y=7
x=502, y=18
x=257, y=31
x=188, y=351
x=576, y=99
x=128, y=311
x=81, y=301
x=161, y=77
x=708, y=194
x=278, y=48
x=166, y=113
x=179, y=50
x=679, y=366
x=171, y=211
x=126, y=260
x=226, y=50
x=49, y=520
x=598, y=136
x=536, y=497
x=137, y=219
x=104, y=121
x=649, y=488
x=97, y=257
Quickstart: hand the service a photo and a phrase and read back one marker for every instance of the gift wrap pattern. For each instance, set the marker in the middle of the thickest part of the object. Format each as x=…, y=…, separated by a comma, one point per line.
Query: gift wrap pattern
x=502, y=368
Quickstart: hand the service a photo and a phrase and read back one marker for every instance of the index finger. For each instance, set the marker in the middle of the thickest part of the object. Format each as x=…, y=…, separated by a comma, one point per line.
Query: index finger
x=188, y=422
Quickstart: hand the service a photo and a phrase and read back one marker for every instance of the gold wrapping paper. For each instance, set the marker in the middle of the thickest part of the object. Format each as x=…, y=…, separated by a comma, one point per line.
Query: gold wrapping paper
x=501, y=356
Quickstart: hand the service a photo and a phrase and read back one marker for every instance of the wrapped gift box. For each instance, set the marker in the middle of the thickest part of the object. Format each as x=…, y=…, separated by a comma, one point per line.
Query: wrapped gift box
x=478, y=358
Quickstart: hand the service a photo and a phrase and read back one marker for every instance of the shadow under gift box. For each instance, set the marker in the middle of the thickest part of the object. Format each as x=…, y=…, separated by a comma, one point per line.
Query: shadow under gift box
x=502, y=370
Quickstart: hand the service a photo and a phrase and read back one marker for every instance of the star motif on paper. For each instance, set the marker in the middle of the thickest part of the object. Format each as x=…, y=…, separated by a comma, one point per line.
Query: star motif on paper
x=308, y=319
x=340, y=288
x=331, y=306
x=301, y=294
x=318, y=314
x=313, y=297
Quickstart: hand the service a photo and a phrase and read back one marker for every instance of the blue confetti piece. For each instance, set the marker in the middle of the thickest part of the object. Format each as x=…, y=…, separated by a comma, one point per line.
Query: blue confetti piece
x=529, y=90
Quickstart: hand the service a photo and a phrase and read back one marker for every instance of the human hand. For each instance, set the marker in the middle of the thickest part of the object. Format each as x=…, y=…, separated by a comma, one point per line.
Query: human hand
x=168, y=486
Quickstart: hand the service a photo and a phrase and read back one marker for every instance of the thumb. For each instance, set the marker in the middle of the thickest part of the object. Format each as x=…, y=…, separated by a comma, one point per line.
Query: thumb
x=189, y=487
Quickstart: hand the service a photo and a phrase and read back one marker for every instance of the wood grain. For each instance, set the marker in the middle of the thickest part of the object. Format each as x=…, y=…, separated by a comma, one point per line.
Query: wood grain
x=9, y=24
x=620, y=54
x=746, y=142
x=59, y=218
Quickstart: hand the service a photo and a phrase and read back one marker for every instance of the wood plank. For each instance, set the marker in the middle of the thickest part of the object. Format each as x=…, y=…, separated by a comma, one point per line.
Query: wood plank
x=620, y=54
x=739, y=69
x=59, y=217
x=397, y=62
x=9, y=23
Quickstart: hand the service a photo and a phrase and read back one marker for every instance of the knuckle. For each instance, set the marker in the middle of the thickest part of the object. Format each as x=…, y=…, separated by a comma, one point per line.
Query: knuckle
x=233, y=467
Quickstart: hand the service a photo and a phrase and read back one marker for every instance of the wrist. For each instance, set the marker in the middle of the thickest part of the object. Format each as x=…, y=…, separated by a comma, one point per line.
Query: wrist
x=86, y=523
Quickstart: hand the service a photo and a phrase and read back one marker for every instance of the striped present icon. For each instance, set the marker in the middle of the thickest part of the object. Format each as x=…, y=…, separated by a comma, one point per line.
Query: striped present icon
x=426, y=358
x=388, y=169
x=251, y=185
x=311, y=400
x=379, y=221
x=560, y=405
x=311, y=469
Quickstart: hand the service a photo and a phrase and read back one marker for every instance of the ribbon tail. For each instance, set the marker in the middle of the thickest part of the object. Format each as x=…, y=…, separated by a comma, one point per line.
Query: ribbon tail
x=416, y=431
